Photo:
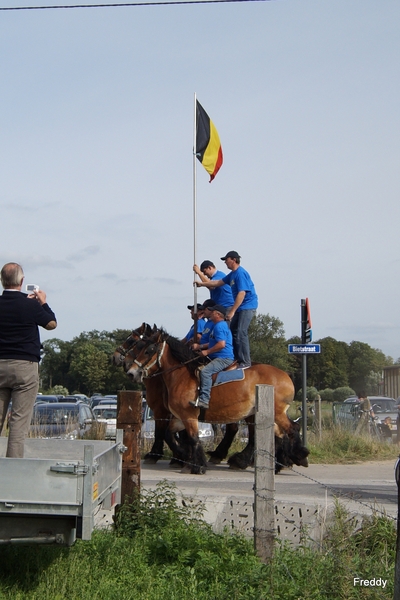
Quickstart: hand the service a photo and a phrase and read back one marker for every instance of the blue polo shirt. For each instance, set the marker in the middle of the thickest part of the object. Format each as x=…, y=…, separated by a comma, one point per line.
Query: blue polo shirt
x=201, y=323
x=220, y=332
x=223, y=294
x=205, y=336
x=240, y=281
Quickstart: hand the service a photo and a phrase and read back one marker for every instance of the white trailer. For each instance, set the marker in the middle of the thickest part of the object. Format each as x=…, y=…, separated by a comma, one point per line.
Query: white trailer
x=51, y=496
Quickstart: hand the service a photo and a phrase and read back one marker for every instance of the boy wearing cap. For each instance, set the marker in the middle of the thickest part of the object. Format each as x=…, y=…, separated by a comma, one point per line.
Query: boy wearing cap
x=244, y=307
x=205, y=335
x=208, y=272
x=201, y=323
x=220, y=349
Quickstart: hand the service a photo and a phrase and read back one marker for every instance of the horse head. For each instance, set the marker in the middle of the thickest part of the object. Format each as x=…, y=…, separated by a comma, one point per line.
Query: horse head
x=289, y=448
x=138, y=334
x=143, y=359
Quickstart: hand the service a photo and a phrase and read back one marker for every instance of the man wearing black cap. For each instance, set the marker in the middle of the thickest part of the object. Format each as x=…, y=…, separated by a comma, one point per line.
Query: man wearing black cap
x=244, y=307
x=208, y=272
x=220, y=349
x=201, y=323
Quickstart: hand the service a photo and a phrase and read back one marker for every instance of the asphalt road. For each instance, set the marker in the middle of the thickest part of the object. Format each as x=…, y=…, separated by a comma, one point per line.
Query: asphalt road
x=361, y=487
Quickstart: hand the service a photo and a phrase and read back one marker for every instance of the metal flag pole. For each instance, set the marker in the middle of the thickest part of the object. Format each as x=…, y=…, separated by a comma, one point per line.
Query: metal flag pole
x=195, y=215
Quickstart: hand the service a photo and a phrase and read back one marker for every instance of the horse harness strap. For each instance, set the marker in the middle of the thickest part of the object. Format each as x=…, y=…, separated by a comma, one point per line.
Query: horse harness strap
x=166, y=370
x=147, y=366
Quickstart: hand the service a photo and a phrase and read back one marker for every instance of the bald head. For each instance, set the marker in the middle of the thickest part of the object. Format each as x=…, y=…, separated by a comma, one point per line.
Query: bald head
x=12, y=276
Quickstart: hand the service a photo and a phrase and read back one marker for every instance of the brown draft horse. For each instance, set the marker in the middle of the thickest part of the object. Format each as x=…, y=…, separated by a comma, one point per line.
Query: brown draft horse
x=229, y=403
x=156, y=397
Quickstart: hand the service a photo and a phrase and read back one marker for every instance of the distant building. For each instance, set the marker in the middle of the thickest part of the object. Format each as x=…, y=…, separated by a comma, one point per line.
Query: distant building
x=391, y=381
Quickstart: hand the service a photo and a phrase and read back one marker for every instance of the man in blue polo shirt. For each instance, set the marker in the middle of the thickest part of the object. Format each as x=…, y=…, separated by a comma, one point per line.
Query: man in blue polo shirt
x=220, y=349
x=208, y=272
x=244, y=307
x=20, y=316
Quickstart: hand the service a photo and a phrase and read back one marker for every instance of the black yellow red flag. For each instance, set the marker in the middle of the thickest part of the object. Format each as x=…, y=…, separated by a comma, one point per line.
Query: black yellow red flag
x=208, y=145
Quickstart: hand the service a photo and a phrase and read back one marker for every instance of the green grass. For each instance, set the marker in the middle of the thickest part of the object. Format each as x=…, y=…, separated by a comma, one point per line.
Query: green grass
x=162, y=549
x=338, y=446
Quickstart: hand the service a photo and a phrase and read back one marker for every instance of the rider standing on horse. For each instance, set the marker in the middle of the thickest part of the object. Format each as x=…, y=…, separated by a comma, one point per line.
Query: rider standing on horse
x=208, y=272
x=220, y=351
x=244, y=307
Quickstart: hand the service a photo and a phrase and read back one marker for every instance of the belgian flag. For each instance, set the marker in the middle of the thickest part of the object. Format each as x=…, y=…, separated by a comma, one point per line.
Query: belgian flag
x=208, y=145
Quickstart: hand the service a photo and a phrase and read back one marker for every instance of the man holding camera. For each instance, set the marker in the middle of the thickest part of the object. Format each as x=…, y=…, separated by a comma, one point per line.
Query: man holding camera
x=20, y=316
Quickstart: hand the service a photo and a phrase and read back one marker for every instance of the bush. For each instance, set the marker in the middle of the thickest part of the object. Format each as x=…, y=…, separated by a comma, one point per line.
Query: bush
x=311, y=392
x=327, y=395
x=341, y=393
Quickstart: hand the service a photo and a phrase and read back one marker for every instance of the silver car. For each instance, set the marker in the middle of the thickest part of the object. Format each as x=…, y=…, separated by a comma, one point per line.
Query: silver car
x=347, y=414
x=107, y=413
x=206, y=431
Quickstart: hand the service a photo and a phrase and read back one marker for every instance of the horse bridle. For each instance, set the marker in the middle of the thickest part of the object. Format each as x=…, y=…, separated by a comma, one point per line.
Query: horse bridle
x=123, y=351
x=146, y=366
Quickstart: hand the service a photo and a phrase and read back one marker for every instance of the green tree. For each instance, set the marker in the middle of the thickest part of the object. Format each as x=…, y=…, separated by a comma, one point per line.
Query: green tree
x=330, y=368
x=68, y=363
x=365, y=366
x=267, y=341
x=54, y=365
x=89, y=365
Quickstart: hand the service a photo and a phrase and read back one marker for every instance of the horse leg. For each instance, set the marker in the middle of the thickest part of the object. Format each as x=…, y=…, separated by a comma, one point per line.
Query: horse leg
x=156, y=452
x=196, y=462
x=178, y=445
x=245, y=458
x=221, y=451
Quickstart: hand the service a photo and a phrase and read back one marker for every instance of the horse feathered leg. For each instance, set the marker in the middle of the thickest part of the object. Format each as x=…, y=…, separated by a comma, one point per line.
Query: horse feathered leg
x=221, y=451
x=245, y=458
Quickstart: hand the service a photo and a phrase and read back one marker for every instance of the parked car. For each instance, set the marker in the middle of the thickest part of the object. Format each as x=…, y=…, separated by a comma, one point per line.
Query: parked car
x=107, y=413
x=106, y=400
x=72, y=399
x=347, y=413
x=45, y=398
x=82, y=397
x=65, y=420
x=94, y=400
x=206, y=431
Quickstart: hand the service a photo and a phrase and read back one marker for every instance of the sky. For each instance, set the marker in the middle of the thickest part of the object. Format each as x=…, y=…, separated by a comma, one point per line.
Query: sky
x=96, y=160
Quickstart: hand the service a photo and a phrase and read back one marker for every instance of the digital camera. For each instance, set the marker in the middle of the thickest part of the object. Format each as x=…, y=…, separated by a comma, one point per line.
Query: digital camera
x=32, y=287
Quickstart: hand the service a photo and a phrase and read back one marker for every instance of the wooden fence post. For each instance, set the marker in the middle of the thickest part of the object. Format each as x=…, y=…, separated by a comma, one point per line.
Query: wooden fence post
x=129, y=418
x=318, y=417
x=264, y=477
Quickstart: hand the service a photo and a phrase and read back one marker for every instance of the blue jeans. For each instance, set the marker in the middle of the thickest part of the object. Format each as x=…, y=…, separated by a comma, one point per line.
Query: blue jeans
x=215, y=366
x=239, y=327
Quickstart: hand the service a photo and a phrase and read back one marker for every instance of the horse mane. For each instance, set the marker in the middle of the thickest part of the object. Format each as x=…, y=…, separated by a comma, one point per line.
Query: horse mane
x=181, y=352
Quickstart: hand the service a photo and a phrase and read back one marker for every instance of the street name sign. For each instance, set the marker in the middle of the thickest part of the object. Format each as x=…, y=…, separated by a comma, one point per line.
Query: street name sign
x=304, y=348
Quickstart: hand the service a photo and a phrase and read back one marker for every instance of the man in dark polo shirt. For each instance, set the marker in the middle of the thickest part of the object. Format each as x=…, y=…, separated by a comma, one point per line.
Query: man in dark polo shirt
x=20, y=316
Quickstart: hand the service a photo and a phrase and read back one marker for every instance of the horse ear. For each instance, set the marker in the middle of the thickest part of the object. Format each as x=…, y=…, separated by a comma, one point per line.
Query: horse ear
x=154, y=328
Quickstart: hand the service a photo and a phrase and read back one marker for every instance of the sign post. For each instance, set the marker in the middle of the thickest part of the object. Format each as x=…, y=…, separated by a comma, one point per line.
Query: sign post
x=304, y=348
x=306, y=332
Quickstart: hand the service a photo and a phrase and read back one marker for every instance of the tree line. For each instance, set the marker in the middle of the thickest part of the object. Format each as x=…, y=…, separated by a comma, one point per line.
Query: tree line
x=84, y=363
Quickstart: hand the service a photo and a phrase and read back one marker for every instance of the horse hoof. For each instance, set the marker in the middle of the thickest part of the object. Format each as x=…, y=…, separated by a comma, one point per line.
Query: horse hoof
x=175, y=464
x=215, y=460
x=235, y=468
x=186, y=470
x=150, y=460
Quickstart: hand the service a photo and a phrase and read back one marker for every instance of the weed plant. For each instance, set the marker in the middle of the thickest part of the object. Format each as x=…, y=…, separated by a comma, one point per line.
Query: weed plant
x=161, y=549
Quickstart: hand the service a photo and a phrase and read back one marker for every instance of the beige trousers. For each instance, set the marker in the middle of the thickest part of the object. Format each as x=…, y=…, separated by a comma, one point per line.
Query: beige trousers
x=19, y=382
